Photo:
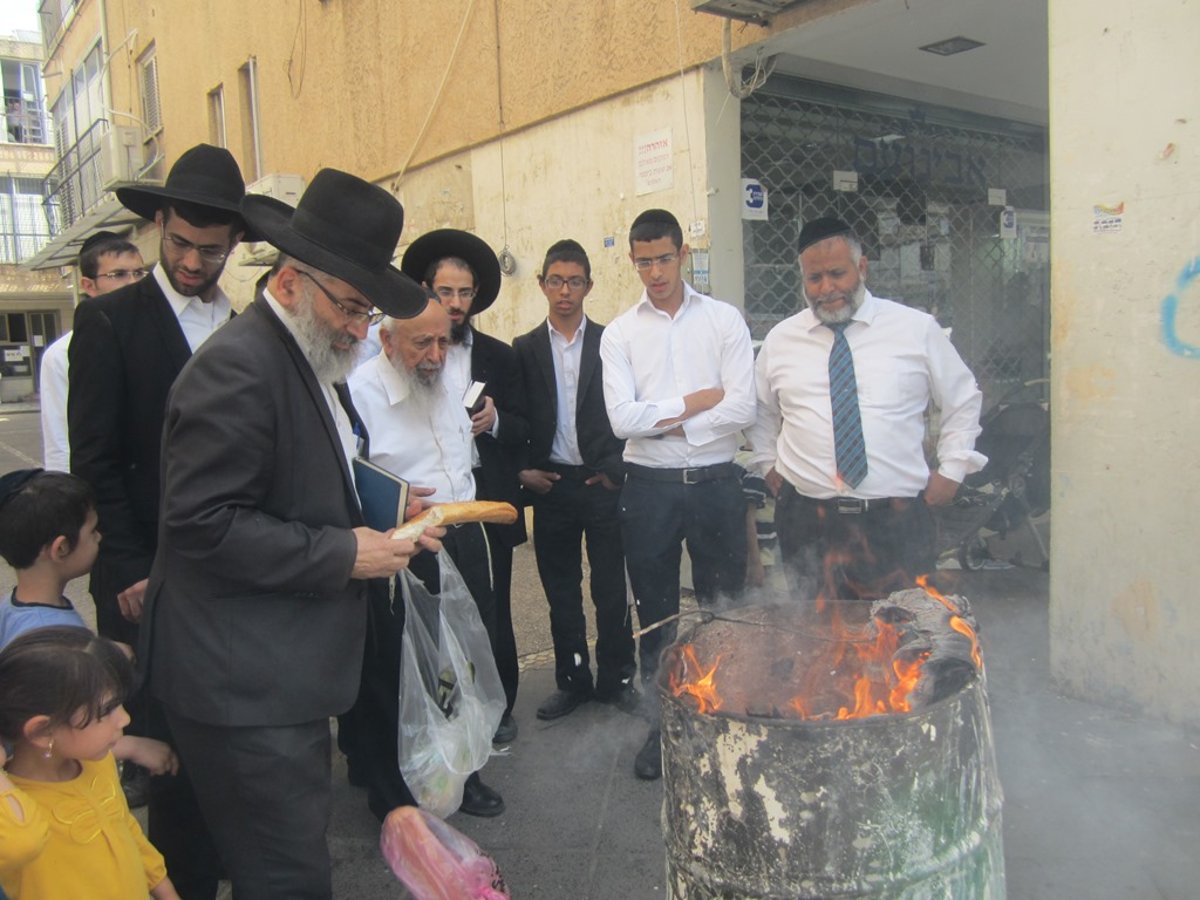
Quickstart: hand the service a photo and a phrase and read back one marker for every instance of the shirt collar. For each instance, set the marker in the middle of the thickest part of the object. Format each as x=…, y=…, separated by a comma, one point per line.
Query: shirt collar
x=395, y=387
x=177, y=300
x=555, y=334
x=688, y=293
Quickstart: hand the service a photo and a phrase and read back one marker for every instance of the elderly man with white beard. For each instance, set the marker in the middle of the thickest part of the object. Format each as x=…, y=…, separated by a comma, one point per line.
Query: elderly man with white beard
x=420, y=431
x=843, y=388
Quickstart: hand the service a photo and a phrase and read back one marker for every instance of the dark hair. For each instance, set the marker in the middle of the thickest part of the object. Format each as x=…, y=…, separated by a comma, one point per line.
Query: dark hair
x=567, y=251
x=455, y=261
x=199, y=216
x=56, y=672
x=48, y=506
x=89, y=258
x=654, y=224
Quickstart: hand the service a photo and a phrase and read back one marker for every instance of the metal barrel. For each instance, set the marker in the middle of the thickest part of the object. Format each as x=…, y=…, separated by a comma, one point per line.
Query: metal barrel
x=898, y=806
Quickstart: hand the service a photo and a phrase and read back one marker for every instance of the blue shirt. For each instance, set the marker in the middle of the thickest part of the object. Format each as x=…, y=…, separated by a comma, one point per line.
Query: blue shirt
x=16, y=617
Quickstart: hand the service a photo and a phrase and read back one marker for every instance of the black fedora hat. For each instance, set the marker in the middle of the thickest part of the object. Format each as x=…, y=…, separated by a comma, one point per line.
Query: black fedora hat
x=436, y=245
x=347, y=228
x=204, y=175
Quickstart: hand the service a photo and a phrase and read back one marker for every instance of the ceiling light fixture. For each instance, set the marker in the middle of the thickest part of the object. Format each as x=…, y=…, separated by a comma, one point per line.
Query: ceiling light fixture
x=953, y=45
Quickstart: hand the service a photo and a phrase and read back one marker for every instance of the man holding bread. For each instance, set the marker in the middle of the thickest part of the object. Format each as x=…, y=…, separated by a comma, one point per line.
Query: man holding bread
x=420, y=431
x=256, y=607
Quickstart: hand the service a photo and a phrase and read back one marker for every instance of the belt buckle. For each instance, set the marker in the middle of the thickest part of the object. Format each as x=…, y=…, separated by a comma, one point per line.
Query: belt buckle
x=850, y=506
x=687, y=476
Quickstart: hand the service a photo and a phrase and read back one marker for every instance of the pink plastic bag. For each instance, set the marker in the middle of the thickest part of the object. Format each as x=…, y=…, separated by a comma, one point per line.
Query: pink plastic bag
x=434, y=861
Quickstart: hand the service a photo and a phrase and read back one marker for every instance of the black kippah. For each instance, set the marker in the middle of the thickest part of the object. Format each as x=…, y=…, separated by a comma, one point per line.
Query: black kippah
x=820, y=229
x=657, y=216
x=98, y=238
x=11, y=483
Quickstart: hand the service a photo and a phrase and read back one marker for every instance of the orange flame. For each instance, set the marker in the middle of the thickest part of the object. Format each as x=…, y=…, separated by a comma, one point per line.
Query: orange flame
x=958, y=623
x=702, y=689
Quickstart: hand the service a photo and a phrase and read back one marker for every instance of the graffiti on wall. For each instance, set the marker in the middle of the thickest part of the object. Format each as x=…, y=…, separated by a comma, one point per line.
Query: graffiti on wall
x=1170, y=312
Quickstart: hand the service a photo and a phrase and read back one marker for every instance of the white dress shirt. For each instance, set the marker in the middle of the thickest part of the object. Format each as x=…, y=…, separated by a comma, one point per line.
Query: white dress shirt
x=52, y=396
x=902, y=361
x=428, y=444
x=197, y=318
x=567, y=354
x=652, y=360
x=341, y=418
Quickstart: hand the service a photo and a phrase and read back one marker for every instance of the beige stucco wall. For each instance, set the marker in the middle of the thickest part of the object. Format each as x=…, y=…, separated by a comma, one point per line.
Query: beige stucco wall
x=1126, y=409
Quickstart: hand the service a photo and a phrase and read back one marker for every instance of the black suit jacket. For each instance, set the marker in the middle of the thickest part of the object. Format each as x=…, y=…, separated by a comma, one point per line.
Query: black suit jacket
x=126, y=351
x=252, y=617
x=600, y=448
x=494, y=363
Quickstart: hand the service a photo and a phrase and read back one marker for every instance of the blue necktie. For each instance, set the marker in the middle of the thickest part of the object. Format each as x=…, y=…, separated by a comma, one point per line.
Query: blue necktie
x=849, y=448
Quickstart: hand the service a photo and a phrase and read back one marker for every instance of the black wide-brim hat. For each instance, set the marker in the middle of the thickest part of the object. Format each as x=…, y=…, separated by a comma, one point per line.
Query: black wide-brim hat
x=205, y=175
x=436, y=245
x=345, y=227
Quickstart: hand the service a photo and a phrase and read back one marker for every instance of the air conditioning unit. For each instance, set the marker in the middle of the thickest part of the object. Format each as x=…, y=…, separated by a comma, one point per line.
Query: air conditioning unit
x=120, y=156
x=286, y=188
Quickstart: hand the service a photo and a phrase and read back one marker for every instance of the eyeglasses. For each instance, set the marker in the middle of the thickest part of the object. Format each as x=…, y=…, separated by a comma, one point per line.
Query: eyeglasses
x=642, y=263
x=449, y=293
x=124, y=274
x=555, y=282
x=210, y=254
x=370, y=316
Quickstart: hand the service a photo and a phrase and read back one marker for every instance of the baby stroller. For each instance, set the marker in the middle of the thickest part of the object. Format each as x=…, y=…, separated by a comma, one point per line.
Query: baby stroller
x=1012, y=489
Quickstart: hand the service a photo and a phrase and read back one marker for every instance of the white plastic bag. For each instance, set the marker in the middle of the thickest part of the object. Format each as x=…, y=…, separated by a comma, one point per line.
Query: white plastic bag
x=451, y=699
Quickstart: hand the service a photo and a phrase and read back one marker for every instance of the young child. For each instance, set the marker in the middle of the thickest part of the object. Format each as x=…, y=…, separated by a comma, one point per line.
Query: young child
x=65, y=829
x=48, y=534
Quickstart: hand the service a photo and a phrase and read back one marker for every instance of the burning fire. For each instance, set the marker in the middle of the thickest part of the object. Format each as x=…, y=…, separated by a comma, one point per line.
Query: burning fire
x=831, y=670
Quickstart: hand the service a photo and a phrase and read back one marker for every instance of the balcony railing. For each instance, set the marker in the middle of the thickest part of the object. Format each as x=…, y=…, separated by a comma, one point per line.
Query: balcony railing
x=76, y=183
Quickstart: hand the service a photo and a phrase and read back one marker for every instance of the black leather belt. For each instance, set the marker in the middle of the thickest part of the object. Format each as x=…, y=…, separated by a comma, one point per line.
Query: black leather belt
x=695, y=475
x=854, y=506
x=570, y=471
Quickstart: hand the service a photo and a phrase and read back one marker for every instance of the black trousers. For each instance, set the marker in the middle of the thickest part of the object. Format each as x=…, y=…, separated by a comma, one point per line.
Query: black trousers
x=847, y=556
x=368, y=733
x=504, y=646
x=569, y=513
x=656, y=518
x=266, y=795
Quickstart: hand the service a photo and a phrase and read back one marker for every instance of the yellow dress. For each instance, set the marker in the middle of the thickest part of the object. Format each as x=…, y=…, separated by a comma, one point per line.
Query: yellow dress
x=78, y=840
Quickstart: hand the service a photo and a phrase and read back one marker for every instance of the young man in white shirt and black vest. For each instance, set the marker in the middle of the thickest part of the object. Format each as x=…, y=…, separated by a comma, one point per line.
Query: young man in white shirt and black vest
x=843, y=387
x=678, y=386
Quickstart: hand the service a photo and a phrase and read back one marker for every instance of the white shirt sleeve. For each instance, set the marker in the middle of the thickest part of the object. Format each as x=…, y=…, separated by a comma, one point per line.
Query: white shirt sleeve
x=629, y=416
x=56, y=448
x=764, y=435
x=958, y=396
x=735, y=412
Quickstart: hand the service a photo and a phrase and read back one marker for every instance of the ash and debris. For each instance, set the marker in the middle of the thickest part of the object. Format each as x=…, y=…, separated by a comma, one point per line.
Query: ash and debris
x=924, y=624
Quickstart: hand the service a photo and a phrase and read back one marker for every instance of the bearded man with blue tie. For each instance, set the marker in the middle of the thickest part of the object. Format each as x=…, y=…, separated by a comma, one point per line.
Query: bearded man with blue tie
x=843, y=388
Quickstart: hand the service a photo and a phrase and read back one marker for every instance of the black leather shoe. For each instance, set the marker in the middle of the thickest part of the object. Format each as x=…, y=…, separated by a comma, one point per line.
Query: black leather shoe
x=648, y=764
x=506, y=732
x=625, y=698
x=479, y=799
x=135, y=784
x=560, y=703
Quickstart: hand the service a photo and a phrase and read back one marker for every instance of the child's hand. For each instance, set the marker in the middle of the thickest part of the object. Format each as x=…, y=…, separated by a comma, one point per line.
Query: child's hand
x=164, y=890
x=152, y=755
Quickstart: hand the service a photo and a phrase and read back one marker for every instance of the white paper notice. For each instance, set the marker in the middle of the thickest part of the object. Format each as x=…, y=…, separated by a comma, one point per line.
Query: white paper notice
x=653, y=162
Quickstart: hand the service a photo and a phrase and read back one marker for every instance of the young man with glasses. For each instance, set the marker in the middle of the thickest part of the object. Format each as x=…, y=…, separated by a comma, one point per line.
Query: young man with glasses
x=464, y=274
x=106, y=262
x=679, y=387
x=128, y=347
x=573, y=477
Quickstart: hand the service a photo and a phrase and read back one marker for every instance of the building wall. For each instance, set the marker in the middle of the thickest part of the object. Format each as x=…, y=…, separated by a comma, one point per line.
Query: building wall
x=1126, y=351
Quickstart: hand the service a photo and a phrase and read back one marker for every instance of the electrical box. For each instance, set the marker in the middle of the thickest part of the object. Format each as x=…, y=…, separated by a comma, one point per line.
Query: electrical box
x=285, y=188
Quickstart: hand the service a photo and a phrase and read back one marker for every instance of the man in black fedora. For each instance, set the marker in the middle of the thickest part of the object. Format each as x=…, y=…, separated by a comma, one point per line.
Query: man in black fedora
x=256, y=613
x=462, y=270
x=127, y=348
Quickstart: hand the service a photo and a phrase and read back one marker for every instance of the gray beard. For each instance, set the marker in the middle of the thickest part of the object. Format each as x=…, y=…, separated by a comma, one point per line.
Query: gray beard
x=316, y=339
x=425, y=392
x=845, y=312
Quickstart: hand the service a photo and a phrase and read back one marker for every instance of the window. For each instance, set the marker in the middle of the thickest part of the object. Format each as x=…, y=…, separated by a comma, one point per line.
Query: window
x=23, y=225
x=216, y=116
x=251, y=134
x=148, y=75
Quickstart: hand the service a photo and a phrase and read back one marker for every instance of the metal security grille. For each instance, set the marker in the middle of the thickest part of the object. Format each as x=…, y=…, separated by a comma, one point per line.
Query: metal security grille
x=921, y=208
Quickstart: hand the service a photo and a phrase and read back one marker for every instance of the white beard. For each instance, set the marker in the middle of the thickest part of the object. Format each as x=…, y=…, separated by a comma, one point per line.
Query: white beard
x=316, y=339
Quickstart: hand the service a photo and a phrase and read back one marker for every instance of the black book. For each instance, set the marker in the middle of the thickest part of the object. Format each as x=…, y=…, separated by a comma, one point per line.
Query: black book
x=383, y=495
x=473, y=398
